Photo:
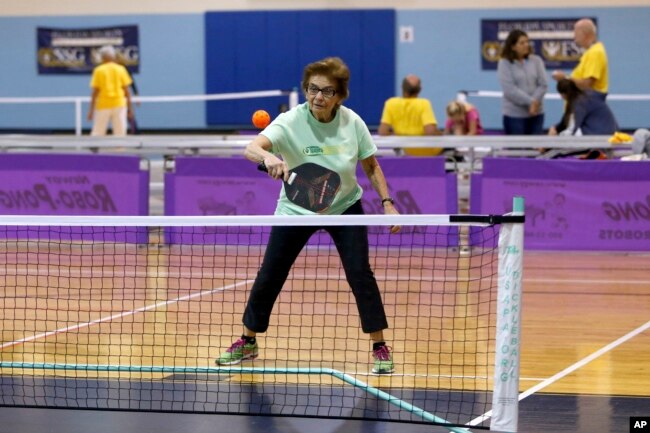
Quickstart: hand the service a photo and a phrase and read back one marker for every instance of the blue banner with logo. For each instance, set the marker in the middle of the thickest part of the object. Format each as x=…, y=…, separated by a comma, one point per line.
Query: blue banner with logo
x=552, y=40
x=75, y=51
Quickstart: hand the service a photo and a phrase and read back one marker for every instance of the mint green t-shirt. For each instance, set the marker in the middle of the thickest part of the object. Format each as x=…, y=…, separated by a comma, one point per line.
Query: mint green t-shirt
x=338, y=145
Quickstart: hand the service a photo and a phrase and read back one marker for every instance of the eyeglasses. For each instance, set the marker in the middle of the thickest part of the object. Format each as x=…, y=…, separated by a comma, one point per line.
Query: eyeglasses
x=327, y=92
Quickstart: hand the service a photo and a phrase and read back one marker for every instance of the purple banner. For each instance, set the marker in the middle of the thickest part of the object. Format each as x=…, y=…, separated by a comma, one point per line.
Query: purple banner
x=59, y=184
x=571, y=204
x=233, y=186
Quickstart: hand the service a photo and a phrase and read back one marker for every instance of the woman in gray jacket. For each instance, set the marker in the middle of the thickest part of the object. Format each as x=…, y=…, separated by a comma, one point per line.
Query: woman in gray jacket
x=523, y=79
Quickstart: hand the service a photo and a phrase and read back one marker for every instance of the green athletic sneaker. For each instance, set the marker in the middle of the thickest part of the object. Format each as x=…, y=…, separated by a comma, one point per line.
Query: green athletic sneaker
x=383, y=361
x=238, y=352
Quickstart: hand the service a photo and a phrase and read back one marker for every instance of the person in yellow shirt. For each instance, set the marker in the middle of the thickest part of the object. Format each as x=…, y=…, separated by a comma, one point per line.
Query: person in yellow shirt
x=110, y=100
x=410, y=115
x=592, y=70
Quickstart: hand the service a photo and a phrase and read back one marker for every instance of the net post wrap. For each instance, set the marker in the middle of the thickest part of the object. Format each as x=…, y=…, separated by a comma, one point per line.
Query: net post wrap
x=505, y=399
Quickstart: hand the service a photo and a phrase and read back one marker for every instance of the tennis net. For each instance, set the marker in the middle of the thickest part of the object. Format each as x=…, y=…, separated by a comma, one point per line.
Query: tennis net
x=130, y=313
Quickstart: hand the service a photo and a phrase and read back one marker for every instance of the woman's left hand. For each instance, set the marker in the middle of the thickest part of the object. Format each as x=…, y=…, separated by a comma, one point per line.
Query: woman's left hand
x=390, y=209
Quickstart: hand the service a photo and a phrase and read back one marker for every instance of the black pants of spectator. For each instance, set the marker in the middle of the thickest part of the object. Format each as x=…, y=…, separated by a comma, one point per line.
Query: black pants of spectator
x=285, y=243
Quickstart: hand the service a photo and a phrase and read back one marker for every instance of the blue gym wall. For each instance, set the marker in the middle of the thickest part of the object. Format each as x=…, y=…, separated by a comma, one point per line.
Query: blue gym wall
x=259, y=51
x=172, y=63
x=445, y=54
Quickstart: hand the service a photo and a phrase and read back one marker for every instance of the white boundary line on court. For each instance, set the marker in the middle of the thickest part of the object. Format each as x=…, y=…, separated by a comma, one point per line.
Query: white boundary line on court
x=122, y=314
x=570, y=369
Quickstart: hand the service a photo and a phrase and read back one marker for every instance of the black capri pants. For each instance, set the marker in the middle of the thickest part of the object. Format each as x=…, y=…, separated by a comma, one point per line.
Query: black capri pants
x=285, y=243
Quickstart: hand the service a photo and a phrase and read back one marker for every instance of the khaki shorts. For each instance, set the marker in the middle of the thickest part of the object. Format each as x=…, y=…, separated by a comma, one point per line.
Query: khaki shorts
x=117, y=118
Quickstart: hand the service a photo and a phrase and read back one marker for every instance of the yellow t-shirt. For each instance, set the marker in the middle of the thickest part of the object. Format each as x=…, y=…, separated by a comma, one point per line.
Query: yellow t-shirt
x=407, y=116
x=111, y=79
x=593, y=64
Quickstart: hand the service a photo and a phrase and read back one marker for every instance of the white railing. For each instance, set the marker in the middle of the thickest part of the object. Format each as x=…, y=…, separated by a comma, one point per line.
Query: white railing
x=472, y=148
x=497, y=94
x=152, y=148
x=79, y=100
x=212, y=142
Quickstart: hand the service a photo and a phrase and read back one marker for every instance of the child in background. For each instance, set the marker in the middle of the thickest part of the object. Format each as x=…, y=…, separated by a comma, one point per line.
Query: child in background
x=462, y=119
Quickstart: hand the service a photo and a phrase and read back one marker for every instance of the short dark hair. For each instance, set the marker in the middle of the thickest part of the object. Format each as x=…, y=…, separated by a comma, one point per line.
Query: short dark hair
x=332, y=67
x=409, y=89
x=513, y=37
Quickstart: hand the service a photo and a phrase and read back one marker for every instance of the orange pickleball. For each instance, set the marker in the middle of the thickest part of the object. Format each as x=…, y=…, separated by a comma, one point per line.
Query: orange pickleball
x=261, y=119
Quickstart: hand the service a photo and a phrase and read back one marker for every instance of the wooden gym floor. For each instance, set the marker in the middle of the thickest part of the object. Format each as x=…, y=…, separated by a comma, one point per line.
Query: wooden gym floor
x=584, y=362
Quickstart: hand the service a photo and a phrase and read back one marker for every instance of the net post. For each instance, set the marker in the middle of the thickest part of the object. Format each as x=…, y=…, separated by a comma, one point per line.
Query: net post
x=77, y=117
x=293, y=98
x=505, y=398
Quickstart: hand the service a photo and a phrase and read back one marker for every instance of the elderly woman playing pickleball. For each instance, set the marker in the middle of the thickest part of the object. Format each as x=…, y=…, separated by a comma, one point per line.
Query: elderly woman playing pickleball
x=319, y=139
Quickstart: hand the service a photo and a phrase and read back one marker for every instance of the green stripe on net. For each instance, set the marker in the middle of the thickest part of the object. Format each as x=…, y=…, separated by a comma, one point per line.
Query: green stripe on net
x=241, y=370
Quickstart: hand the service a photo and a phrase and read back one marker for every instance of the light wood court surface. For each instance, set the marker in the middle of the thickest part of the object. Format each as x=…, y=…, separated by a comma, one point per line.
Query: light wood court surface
x=575, y=304
x=578, y=303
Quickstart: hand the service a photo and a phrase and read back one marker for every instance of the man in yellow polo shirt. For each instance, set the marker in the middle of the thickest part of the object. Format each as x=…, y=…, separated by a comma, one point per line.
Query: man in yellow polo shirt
x=110, y=100
x=592, y=71
x=410, y=115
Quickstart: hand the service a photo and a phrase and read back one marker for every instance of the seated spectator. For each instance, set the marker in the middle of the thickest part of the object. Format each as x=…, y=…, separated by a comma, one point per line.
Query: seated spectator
x=410, y=115
x=585, y=112
x=462, y=119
